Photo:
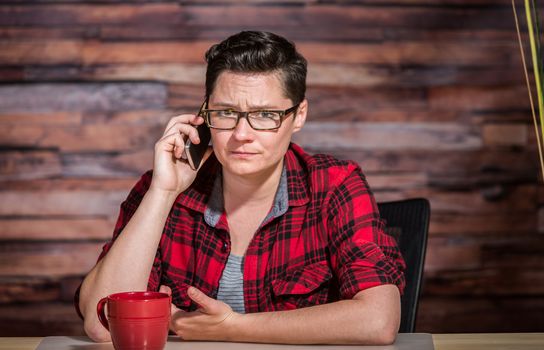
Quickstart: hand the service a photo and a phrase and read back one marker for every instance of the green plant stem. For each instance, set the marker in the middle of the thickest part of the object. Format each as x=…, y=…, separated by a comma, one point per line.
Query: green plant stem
x=536, y=64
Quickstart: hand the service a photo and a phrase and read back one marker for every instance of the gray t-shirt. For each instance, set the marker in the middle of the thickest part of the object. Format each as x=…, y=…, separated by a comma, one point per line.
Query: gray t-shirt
x=231, y=284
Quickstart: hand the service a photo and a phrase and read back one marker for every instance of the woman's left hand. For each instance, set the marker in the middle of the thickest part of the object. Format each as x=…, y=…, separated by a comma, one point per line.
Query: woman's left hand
x=213, y=320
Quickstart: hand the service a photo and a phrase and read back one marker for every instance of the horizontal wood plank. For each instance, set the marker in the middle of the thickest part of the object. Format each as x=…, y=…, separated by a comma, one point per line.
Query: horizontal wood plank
x=495, y=281
x=319, y=74
x=443, y=255
x=38, y=289
x=58, y=202
x=483, y=224
x=232, y=17
x=464, y=164
x=506, y=134
x=143, y=31
x=456, y=253
x=378, y=181
x=79, y=52
x=69, y=184
x=39, y=118
x=40, y=319
x=458, y=314
x=521, y=198
x=29, y=165
x=91, y=137
x=103, y=165
x=389, y=136
x=17, y=290
x=488, y=99
x=48, y=259
x=40, y=98
x=171, y=72
x=26, y=229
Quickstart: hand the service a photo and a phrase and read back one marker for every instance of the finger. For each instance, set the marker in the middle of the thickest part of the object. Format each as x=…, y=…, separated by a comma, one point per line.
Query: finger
x=182, y=118
x=165, y=289
x=207, y=304
x=185, y=119
x=171, y=143
x=175, y=311
x=175, y=315
x=187, y=130
x=179, y=147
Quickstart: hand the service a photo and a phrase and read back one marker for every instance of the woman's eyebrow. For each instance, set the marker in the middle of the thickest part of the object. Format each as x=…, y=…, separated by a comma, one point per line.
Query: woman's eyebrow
x=253, y=107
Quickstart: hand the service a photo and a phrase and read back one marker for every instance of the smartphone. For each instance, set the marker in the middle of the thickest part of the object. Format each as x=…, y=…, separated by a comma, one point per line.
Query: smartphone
x=195, y=152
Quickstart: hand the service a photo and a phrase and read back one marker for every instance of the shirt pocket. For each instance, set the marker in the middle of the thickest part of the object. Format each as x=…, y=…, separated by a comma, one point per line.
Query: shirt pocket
x=303, y=287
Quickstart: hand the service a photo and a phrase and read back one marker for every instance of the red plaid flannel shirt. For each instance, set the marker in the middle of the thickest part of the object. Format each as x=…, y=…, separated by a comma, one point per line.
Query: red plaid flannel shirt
x=327, y=246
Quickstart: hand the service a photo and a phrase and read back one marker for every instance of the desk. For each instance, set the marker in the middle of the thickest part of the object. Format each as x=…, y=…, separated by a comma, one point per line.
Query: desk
x=480, y=341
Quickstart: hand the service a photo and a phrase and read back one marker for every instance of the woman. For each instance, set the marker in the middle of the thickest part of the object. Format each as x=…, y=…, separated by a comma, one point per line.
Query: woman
x=263, y=243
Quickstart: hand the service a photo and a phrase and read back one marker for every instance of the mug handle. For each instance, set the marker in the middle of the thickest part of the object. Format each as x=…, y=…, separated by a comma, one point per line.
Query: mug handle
x=101, y=314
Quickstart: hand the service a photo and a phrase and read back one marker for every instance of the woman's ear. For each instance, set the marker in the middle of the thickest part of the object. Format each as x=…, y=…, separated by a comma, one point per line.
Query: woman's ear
x=300, y=117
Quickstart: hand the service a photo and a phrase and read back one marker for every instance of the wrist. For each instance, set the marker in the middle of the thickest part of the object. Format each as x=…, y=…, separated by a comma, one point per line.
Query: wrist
x=161, y=194
x=236, y=326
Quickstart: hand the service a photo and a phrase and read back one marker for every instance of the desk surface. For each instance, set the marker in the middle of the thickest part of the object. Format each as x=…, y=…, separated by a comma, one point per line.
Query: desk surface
x=480, y=341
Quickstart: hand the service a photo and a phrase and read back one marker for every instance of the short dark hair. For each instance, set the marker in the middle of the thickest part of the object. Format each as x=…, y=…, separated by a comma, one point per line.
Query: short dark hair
x=258, y=52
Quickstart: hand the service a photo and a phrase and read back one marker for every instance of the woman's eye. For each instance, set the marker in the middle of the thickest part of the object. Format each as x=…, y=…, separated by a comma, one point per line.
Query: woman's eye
x=226, y=113
x=267, y=115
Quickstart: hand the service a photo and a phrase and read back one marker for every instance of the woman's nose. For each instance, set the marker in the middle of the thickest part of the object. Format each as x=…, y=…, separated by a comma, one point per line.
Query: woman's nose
x=243, y=131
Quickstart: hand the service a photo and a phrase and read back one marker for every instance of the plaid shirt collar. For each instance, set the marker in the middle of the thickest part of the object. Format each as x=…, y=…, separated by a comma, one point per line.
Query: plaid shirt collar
x=215, y=206
x=206, y=197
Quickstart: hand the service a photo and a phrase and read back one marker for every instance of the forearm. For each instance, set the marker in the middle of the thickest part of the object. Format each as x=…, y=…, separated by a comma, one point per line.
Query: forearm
x=363, y=321
x=128, y=263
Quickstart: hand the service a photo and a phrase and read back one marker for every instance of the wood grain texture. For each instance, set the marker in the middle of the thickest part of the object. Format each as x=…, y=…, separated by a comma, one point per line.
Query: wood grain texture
x=507, y=314
x=428, y=97
x=49, y=259
x=321, y=74
x=389, y=136
x=57, y=202
x=245, y=15
x=80, y=52
x=29, y=165
x=83, y=229
x=40, y=319
x=39, y=98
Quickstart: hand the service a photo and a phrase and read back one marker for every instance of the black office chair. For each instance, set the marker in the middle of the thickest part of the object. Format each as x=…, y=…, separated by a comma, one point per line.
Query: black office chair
x=408, y=220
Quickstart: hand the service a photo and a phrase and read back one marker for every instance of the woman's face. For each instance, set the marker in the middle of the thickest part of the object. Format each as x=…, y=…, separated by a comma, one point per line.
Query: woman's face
x=245, y=151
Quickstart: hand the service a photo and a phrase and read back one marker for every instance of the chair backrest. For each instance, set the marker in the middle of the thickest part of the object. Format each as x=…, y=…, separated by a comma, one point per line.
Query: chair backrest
x=408, y=220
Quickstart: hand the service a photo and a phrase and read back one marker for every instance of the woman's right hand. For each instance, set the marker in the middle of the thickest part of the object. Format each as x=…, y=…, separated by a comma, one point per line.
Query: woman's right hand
x=171, y=171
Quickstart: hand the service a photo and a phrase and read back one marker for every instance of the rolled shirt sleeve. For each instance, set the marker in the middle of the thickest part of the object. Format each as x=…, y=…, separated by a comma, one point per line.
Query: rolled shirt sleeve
x=362, y=254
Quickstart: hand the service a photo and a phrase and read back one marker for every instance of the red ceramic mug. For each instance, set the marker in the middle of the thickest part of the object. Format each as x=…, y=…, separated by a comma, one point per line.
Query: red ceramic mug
x=136, y=320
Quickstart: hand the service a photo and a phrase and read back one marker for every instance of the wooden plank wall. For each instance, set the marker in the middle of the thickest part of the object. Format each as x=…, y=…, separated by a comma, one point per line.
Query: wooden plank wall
x=427, y=95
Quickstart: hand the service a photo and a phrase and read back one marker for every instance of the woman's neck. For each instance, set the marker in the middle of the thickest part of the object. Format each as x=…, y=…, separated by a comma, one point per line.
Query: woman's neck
x=254, y=190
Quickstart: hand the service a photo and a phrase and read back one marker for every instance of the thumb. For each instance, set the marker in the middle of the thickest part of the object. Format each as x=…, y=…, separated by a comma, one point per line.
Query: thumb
x=175, y=315
x=174, y=310
x=207, y=304
x=165, y=289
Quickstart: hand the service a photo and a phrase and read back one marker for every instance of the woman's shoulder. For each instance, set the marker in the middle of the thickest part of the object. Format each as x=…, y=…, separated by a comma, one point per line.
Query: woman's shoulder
x=323, y=163
x=323, y=173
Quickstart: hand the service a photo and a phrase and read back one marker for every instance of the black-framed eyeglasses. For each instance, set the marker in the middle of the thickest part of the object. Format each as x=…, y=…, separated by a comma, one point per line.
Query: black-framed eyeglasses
x=227, y=119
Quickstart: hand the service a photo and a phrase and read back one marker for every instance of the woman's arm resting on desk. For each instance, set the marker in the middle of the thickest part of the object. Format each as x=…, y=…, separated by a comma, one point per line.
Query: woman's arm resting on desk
x=128, y=264
x=371, y=317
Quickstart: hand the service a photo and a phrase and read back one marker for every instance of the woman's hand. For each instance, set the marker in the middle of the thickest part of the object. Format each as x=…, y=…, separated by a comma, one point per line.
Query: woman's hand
x=171, y=171
x=214, y=320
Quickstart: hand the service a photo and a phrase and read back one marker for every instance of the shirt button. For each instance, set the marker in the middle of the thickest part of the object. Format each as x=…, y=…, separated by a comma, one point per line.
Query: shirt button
x=224, y=248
